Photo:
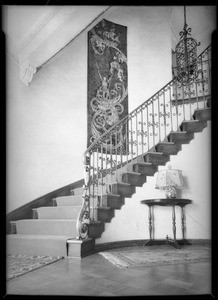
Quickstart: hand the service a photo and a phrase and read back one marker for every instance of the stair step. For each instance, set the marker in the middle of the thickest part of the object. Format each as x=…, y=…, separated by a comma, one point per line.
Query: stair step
x=113, y=201
x=202, y=114
x=77, y=191
x=181, y=137
x=168, y=148
x=134, y=178
x=65, y=227
x=147, y=169
x=95, y=229
x=157, y=158
x=105, y=214
x=74, y=200
x=25, y=244
x=53, y=229
x=123, y=189
x=193, y=125
x=56, y=212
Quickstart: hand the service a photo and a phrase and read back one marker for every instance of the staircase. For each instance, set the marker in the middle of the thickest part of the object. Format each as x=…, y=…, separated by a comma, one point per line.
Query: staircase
x=51, y=230
x=69, y=227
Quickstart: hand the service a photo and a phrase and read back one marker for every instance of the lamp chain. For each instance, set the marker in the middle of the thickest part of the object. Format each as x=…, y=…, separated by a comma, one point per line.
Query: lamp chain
x=184, y=15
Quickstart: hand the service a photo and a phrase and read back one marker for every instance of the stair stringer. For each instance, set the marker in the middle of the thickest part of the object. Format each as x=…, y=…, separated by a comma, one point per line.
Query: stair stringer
x=75, y=248
x=156, y=156
x=141, y=218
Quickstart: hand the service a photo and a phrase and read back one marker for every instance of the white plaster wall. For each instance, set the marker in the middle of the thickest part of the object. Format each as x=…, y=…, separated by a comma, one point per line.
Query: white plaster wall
x=148, y=47
x=47, y=121
x=131, y=222
x=202, y=31
x=46, y=128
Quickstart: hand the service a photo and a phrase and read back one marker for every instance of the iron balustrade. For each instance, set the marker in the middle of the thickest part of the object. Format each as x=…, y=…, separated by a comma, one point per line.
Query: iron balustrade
x=125, y=143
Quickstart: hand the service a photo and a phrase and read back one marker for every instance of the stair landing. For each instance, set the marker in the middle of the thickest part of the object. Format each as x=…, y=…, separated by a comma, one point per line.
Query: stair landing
x=35, y=244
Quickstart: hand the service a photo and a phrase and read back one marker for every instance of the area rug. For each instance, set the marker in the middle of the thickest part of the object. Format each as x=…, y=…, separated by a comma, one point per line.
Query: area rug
x=18, y=265
x=157, y=255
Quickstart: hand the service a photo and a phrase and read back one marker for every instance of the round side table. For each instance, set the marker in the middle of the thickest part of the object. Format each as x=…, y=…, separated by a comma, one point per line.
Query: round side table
x=168, y=202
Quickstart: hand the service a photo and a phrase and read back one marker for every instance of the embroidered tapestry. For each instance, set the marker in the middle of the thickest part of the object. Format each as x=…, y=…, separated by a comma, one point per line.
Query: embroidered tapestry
x=107, y=84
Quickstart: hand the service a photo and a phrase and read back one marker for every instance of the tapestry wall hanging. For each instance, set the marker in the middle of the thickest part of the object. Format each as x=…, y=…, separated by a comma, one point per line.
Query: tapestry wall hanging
x=107, y=84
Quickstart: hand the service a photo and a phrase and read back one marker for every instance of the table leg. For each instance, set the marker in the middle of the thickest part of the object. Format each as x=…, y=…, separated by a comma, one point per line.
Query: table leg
x=150, y=241
x=150, y=222
x=174, y=241
x=174, y=222
x=183, y=222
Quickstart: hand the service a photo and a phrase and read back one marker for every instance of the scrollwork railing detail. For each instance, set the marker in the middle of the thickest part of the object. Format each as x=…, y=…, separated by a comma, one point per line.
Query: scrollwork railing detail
x=144, y=127
x=83, y=219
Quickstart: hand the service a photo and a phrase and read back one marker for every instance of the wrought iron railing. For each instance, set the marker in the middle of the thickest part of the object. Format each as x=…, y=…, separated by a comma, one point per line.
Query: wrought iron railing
x=127, y=141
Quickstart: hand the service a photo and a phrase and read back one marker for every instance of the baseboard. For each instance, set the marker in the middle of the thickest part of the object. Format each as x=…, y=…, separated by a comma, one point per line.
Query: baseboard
x=130, y=243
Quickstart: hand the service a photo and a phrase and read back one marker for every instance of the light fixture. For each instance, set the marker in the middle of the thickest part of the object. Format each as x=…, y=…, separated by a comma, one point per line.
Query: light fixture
x=186, y=55
x=170, y=180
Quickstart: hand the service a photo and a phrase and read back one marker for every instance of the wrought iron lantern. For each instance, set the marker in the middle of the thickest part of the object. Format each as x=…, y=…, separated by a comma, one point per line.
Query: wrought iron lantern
x=186, y=55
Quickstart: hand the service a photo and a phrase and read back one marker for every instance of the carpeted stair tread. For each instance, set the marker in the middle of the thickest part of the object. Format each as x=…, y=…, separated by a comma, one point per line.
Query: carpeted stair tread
x=46, y=226
x=170, y=148
x=193, y=125
x=57, y=212
x=40, y=236
x=25, y=244
x=190, y=121
x=156, y=158
x=181, y=137
x=202, y=114
x=74, y=200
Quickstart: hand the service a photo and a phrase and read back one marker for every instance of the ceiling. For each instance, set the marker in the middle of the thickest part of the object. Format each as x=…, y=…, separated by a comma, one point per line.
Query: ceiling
x=35, y=33
x=20, y=19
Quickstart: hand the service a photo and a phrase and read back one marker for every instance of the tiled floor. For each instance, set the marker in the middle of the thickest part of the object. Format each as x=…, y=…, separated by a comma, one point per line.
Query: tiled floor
x=95, y=276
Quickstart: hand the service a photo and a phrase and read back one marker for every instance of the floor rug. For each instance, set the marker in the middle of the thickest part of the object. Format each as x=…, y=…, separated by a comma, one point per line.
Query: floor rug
x=157, y=255
x=18, y=265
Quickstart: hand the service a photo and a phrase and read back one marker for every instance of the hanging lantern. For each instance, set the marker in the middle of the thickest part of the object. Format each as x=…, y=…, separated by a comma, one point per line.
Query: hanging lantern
x=186, y=55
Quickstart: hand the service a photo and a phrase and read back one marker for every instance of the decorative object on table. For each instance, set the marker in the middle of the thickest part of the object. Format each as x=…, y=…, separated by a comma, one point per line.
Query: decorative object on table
x=170, y=180
x=107, y=84
x=186, y=56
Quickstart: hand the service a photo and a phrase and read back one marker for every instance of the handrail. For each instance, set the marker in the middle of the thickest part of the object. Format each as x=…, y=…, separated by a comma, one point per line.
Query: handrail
x=137, y=133
x=120, y=121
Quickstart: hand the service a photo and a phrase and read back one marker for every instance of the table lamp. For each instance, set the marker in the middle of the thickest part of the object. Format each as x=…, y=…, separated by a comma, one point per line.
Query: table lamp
x=170, y=180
